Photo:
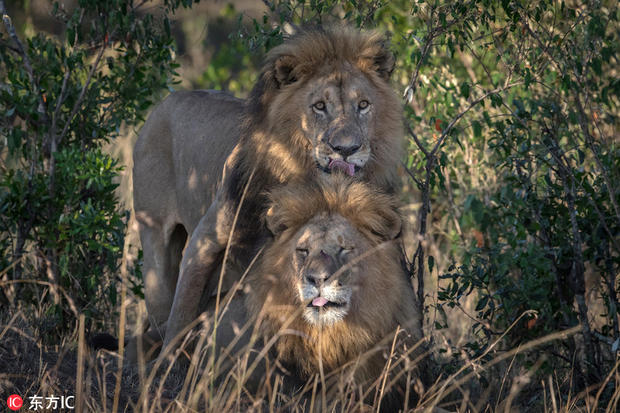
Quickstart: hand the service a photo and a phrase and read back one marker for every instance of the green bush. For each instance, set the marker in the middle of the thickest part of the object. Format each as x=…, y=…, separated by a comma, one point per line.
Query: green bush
x=553, y=216
x=63, y=228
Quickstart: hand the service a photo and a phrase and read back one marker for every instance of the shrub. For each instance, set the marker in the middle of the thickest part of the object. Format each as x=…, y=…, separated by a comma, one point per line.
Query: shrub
x=62, y=225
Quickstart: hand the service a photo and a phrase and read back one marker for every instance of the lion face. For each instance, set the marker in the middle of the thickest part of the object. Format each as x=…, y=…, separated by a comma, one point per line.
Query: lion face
x=331, y=237
x=330, y=283
x=327, y=268
x=325, y=95
x=339, y=120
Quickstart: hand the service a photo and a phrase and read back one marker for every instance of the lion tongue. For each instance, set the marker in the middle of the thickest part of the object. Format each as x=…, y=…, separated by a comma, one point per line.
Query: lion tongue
x=344, y=166
x=319, y=302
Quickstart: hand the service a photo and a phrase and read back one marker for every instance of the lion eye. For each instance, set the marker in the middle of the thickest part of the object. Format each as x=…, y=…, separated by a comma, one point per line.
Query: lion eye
x=302, y=252
x=319, y=106
x=345, y=250
x=363, y=105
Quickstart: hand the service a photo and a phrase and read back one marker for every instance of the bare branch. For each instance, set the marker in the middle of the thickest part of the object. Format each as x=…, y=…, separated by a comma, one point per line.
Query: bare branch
x=411, y=175
x=417, y=141
x=426, y=48
x=8, y=46
x=61, y=98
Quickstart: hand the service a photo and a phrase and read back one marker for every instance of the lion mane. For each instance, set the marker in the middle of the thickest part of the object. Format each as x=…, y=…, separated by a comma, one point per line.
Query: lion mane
x=384, y=302
x=334, y=211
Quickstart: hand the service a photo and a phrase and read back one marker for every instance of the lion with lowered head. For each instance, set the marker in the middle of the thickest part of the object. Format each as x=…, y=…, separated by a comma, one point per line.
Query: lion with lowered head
x=204, y=159
x=333, y=274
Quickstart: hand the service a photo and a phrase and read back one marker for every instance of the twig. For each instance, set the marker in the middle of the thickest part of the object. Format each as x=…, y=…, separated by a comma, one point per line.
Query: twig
x=446, y=388
x=426, y=48
x=610, y=280
x=53, y=146
x=61, y=98
x=121, y=328
x=453, y=122
x=411, y=175
x=417, y=141
x=577, y=269
x=117, y=93
x=372, y=8
x=137, y=6
x=64, y=292
x=79, y=383
x=603, y=338
x=8, y=46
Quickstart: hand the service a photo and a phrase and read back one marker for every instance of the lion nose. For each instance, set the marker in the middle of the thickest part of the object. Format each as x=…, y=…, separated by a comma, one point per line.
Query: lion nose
x=320, y=269
x=345, y=145
x=315, y=278
x=346, y=150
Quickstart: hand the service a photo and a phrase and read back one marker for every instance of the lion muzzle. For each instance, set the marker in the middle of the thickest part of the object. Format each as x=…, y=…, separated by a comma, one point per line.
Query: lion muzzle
x=344, y=142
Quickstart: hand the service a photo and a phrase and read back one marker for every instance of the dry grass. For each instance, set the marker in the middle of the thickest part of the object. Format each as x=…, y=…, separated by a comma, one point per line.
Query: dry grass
x=198, y=381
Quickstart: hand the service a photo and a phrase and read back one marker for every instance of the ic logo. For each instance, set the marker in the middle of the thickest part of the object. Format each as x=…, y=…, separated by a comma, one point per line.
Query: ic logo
x=15, y=402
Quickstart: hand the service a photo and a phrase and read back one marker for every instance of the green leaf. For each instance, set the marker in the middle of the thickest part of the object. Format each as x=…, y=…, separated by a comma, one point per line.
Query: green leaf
x=477, y=128
x=482, y=303
x=465, y=90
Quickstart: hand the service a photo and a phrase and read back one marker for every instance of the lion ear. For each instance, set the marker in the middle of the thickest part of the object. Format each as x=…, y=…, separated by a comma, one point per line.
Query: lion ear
x=274, y=221
x=377, y=56
x=389, y=225
x=284, y=67
x=384, y=61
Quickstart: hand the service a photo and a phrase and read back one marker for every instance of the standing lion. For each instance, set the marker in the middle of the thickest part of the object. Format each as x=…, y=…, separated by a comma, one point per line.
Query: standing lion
x=204, y=160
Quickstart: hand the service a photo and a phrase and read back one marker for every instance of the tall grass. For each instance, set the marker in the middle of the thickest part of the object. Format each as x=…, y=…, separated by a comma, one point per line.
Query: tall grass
x=195, y=379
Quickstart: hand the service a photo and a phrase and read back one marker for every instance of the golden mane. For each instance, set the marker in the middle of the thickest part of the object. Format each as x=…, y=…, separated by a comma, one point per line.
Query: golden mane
x=312, y=49
x=373, y=212
x=388, y=299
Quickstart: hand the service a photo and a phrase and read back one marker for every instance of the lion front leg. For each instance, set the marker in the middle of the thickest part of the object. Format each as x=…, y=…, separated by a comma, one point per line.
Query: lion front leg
x=201, y=258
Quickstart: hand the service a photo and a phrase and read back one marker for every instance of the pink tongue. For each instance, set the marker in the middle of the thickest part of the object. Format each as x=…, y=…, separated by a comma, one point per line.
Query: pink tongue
x=344, y=166
x=319, y=302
